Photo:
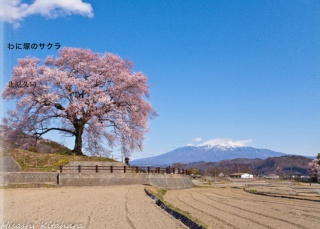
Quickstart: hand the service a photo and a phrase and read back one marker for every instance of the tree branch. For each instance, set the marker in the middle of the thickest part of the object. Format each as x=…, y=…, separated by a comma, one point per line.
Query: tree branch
x=47, y=130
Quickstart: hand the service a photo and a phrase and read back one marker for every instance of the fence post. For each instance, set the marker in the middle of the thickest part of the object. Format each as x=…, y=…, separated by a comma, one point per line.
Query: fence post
x=124, y=169
x=174, y=170
x=111, y=168
x=182, y=171
x=148, y=169
x=96, y=168
x=158, y=169
x=60, y=168
x=79, y=168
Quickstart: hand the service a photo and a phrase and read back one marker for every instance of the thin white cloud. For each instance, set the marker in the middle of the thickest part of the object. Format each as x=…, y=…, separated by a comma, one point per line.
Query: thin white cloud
x=198, y=139
x=226, y=142
x=15, y=11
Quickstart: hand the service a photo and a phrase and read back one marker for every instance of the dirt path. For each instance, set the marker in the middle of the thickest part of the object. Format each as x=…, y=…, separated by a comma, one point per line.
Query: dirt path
x=94, y=207
x=234, y=208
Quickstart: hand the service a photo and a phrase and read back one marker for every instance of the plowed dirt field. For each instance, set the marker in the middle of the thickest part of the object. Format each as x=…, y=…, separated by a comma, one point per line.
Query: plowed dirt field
x=233, y=208
x=111, y=207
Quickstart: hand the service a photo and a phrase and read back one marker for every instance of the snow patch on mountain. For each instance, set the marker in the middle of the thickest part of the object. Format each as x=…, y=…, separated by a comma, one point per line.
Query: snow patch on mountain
x=224, y=143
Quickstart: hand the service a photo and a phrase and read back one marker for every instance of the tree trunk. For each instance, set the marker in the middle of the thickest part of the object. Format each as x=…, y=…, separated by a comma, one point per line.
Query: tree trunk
x=78, y=141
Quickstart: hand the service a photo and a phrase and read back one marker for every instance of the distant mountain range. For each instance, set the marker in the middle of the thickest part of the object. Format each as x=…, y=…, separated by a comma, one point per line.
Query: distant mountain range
x=284, y=165
x=205, y=153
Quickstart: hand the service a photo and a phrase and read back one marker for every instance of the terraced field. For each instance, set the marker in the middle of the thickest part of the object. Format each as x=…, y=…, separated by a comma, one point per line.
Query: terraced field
x=233, y=208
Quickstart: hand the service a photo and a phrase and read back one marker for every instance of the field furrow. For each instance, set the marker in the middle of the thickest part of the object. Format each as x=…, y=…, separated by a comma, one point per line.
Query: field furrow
x=237, y=209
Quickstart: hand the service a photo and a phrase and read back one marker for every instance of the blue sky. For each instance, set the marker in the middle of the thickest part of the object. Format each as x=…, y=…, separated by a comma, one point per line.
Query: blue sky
x=242, y=70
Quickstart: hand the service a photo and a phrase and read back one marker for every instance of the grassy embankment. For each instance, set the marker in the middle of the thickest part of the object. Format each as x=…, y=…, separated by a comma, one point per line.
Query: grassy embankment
x=46, y=162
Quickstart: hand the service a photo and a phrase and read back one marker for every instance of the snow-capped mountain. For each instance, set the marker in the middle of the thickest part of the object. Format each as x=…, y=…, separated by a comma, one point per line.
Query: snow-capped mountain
x=207, y=153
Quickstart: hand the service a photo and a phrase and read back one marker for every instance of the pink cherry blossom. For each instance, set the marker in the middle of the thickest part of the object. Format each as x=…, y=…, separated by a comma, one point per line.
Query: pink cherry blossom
x=94, y=97
x=314, y=168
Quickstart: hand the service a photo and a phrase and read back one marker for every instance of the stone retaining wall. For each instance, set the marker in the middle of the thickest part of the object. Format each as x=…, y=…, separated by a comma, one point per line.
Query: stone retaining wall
x=29, y=178
x=166, y=181
x=170, y=181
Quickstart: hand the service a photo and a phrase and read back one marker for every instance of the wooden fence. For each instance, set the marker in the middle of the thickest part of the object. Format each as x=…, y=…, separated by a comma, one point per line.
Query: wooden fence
x=125, y=169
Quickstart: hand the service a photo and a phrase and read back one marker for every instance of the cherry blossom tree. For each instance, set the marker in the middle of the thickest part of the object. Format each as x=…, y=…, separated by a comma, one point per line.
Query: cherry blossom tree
x=314, y=168
x=96, y=98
